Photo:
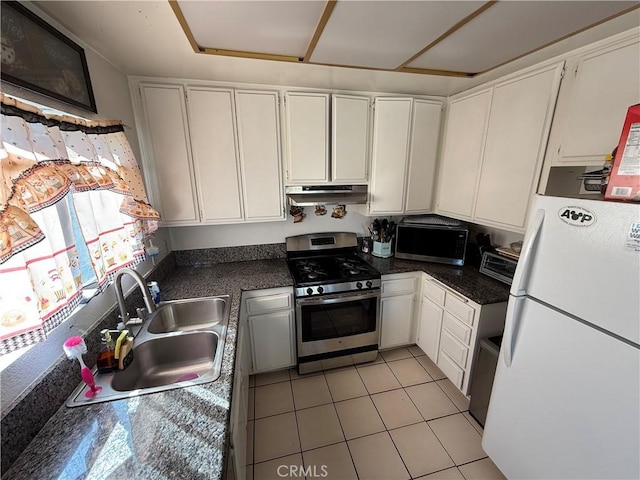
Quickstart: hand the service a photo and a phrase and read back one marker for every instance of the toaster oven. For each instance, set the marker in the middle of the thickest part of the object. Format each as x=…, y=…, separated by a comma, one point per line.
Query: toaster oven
x=498, y=267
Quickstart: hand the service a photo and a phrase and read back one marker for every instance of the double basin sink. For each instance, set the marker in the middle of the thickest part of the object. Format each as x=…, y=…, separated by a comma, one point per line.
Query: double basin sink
x=179, y=345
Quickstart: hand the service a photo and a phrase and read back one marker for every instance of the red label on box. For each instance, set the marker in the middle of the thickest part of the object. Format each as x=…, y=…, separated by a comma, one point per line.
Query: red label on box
x=624, y=182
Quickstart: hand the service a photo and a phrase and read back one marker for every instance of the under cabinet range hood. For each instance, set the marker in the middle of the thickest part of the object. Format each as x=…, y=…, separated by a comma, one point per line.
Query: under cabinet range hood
x=310, y=195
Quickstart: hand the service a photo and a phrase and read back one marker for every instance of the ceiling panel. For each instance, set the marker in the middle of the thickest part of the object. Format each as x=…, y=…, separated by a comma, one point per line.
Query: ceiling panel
x=273, y=27
x=385, y=34
x=512, y=28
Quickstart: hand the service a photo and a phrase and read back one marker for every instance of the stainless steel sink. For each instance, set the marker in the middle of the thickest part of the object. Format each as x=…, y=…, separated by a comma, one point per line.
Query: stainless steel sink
x=168, y=360
x=186, y=315
x=181, y=344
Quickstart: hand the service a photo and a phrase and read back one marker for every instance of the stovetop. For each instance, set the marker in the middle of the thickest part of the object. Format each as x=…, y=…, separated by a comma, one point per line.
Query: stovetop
x=317, y=270
x=317, y=275
x=324, y=263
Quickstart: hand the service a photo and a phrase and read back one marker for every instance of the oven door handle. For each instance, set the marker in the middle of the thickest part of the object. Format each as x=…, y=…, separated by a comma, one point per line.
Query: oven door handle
x=337, y=298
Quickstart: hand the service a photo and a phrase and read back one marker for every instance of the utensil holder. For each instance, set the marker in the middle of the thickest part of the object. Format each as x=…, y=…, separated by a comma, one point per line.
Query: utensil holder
x=382, y=250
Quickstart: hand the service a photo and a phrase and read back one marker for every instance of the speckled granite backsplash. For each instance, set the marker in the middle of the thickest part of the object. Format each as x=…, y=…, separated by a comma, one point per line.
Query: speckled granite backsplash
x=49, y=394
x=209, y=256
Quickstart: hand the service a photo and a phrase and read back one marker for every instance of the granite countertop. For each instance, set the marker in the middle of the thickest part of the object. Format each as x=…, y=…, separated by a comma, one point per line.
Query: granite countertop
x=179, y=433
x=183, y=433
x=466, y=280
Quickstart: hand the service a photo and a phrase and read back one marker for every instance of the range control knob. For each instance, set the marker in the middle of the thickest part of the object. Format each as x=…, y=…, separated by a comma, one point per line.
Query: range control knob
x=359, y=284
x=309, y=291
x=369, y=284
x=320, y=289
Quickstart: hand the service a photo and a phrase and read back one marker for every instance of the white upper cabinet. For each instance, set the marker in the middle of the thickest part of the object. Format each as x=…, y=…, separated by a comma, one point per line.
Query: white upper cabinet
x=494, y=148
x=599, y=87
x=168, y=168
x=519, y=124
x=462, y=153
x=311, y=136
x=423, y=155
x=307, y=119
x=213, y=145
x=349, y=138
x=405, y=147
x=212, y=155
x=259, y=152
x=391, y=124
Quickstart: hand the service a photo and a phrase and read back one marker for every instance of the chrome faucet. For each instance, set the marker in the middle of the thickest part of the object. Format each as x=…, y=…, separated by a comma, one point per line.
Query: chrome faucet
x=148, y=301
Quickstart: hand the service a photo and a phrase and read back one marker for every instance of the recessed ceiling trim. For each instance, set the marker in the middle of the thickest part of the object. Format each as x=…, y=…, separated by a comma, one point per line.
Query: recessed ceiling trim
x=185, y=26
x=239, y=53
x=628, y=10
x=326, y=14
x=428, y=71
x=457, y=26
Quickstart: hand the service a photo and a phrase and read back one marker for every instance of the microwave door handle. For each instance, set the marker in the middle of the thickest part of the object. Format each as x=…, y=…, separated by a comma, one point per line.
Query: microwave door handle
x=519, y=285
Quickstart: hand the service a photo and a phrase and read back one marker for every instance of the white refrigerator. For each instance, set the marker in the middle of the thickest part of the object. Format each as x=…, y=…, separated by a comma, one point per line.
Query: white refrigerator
x=566, y=396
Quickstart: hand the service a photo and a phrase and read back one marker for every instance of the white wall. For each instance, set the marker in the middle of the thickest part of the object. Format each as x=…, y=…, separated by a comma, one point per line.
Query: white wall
x=212, y=236
x=110, y=88
x=215, y=236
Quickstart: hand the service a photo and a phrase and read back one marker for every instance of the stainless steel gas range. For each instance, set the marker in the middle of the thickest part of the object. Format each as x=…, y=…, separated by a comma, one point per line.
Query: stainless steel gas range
x=337, y=297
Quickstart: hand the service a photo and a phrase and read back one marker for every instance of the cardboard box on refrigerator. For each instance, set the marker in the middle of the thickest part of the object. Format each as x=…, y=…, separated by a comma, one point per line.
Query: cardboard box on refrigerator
x=624, y=182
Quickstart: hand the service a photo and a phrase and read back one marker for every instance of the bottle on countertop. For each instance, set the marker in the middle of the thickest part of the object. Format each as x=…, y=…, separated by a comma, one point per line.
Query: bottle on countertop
x=106, y=358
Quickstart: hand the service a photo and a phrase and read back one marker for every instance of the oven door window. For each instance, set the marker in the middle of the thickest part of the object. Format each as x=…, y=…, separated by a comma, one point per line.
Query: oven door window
x=334, y=320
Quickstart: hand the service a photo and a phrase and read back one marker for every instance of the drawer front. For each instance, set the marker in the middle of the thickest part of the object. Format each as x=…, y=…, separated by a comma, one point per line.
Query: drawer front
x=458, y=329
x=453, y=348
x=459, y=308
x=267, y=303
x=401, y=285
x=450, y=369
x=434, y=292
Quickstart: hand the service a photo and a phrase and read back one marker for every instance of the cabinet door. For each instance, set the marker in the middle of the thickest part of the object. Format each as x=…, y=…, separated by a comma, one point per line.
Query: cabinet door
x=423, y=154
x=431, y=316
x=599, y=90
x=213, y=143
x=240, y=404
x=174, y=192
x=307, y=116
x=462, y=154
x=259, y=149
x=272, y=340
x=396, y=321
x=521, y=112
x=349, y=138
x=391, y=124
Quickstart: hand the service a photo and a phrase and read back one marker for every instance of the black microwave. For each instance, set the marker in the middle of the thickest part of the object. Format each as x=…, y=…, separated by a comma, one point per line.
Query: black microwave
x=432, y=243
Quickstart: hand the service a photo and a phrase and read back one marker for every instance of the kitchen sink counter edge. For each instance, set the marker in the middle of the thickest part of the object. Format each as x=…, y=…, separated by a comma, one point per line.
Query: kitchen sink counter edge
x=181, y=433
x=466, y=280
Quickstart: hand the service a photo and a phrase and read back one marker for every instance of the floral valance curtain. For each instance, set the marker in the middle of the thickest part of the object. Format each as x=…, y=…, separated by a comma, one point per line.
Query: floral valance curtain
x=53, y=172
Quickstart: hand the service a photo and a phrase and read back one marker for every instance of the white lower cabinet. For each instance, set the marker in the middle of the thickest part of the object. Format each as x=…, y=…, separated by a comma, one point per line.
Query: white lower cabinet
x=237, y=459
x=396, y=310
x=451, y=327
x=429, y=327
x=270, y=318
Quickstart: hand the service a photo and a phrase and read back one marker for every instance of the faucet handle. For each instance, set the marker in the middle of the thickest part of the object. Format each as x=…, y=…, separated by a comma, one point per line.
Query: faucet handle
x=142, y=313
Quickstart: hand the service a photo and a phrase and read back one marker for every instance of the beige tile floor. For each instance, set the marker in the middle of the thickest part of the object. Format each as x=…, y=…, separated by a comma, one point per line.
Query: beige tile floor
x=396, y=418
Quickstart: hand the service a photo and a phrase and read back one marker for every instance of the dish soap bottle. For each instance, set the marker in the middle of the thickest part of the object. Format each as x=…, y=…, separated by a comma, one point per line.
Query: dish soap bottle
x=106, y=358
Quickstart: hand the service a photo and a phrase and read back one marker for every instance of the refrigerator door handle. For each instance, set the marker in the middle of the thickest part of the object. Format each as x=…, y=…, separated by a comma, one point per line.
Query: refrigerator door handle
x=518, y=286
x=511, y=326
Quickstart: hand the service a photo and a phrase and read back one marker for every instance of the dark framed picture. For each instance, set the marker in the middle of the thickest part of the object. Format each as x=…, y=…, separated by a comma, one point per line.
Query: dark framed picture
x=38, y=57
